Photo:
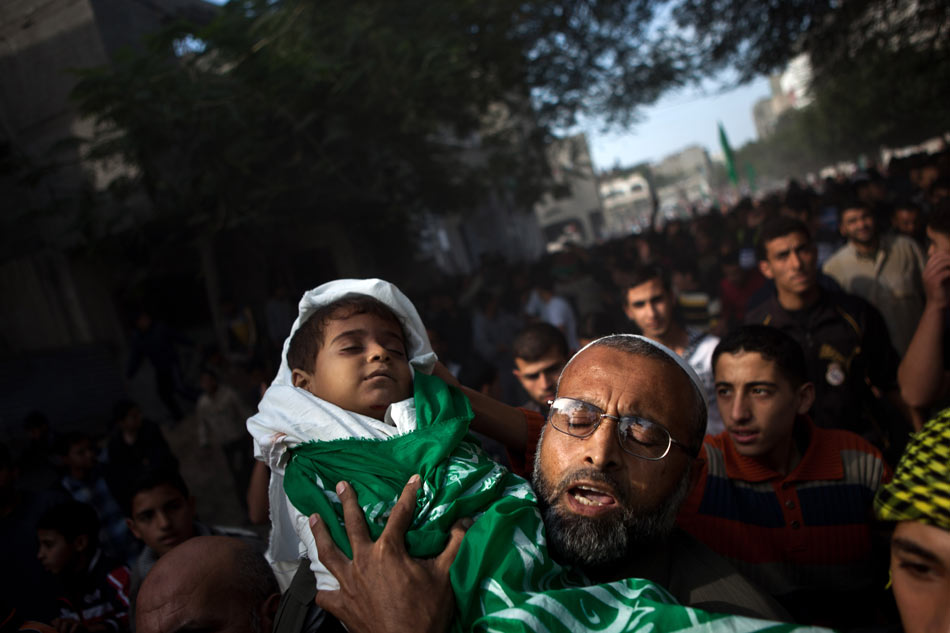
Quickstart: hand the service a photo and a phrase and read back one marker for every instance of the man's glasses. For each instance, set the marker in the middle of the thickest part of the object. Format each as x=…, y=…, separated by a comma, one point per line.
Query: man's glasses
x=639, y=437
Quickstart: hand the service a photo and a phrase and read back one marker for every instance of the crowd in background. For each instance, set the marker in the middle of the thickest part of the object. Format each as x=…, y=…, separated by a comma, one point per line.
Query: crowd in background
x=83, y=519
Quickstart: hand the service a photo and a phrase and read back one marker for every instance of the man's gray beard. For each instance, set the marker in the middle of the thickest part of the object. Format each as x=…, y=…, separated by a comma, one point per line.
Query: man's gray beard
x=591, y=543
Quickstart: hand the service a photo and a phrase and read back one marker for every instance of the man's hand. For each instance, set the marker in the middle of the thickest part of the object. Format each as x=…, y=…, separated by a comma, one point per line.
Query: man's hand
x=384, y=589
x=936, y=278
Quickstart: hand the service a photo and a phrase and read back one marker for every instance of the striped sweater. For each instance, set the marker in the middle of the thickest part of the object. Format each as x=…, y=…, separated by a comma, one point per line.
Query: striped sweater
x=802, y=537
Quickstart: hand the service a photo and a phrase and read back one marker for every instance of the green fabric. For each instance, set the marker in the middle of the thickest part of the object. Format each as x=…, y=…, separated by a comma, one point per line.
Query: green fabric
x=503, y=577
x=730, y=157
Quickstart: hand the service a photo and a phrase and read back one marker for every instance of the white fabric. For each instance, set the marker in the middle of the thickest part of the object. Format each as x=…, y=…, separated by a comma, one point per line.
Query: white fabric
x=701, y=362
x=289, y=416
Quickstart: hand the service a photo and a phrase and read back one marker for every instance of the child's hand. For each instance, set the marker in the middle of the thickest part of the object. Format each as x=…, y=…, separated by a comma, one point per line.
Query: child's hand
x=383, y=589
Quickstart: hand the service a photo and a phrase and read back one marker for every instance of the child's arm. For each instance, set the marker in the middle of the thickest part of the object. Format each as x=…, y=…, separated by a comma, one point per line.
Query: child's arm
x=495, y=419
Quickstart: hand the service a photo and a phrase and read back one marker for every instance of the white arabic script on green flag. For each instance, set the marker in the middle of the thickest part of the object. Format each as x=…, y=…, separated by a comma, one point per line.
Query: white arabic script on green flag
x=503, y=577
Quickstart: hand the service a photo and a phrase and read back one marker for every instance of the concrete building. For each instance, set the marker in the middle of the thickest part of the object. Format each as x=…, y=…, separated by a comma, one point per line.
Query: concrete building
x=59, y=323
x=682, y=180
x=572, y=212
x=626, y=199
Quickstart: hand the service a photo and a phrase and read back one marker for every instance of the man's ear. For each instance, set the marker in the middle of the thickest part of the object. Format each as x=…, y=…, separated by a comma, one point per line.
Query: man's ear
x=301, y=378
x=806, y=397
x=765, y=268
x=269, y=612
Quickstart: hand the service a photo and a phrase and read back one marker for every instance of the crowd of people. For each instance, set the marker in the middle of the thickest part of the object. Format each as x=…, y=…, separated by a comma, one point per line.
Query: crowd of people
x=775, y=373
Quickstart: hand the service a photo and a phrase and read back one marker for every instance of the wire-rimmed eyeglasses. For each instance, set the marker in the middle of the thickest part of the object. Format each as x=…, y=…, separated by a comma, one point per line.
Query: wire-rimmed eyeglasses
x=638, y=436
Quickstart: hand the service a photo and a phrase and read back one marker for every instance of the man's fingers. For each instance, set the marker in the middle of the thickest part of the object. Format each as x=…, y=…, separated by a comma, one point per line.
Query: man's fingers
x=353, y=517
x=447, y=557
x=401, y=516
x=330, y=554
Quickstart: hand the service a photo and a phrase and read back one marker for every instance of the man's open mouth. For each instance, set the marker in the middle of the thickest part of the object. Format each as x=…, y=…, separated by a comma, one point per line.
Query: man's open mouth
x=588, y=496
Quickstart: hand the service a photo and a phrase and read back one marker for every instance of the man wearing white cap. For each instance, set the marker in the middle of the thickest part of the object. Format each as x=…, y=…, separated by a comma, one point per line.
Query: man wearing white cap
x=611, y=469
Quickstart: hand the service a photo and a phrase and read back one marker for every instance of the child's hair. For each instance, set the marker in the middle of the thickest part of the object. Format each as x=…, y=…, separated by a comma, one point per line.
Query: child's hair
x=153, y=478
x=72, y=519
x=308, y=339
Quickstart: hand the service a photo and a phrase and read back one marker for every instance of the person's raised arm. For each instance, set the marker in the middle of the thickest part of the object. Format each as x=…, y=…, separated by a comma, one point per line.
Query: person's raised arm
x=497, y=420
x=383, y=589
x=921, y=375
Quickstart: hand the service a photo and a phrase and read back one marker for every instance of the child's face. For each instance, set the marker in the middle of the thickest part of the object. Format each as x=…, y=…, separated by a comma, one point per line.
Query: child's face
x=81, y=459
x=361, y=367
x=55, y=552
x=162, y=517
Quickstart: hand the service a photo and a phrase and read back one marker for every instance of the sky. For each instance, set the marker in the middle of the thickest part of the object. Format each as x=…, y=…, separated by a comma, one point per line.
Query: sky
x=677, y=121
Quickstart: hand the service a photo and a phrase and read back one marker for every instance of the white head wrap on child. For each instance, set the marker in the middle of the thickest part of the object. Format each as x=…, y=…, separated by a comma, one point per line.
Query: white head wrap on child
x=288, y=416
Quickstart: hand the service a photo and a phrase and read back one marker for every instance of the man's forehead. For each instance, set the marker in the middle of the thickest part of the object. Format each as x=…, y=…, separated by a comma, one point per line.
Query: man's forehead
x=552, y=357
x=747, y=366
x=153, y=497
x=600, y=367
x=787, y=241
x=647, y=288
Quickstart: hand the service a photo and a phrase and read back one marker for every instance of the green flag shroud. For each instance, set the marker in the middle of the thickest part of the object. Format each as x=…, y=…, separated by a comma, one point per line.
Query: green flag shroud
x=730, y=157
x=503, y=577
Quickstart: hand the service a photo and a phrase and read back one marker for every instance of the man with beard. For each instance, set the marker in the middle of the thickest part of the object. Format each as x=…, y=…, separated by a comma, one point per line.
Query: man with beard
x=884, y=270
x=611, y=469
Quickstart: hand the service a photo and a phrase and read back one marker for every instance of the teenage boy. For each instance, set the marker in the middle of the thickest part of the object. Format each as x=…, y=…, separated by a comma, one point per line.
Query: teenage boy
x=787, y=502
x=84, y=483
x=847, y=348
x=540, y=352
x=161, y=513
x=649, y=303
x=95, y=588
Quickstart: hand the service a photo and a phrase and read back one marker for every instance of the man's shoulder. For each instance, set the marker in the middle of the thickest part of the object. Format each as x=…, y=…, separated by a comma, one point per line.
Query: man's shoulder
x=765, y=312
x=705, y=580
x=839, y=261
x=841, y=441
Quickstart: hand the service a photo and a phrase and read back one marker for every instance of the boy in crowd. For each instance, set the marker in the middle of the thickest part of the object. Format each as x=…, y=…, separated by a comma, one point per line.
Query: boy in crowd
x=161, y=513
x=85, y=484
x=649, y=303
x=95, y=588
x=540, y=352
x=787, y=502
x=355, y=356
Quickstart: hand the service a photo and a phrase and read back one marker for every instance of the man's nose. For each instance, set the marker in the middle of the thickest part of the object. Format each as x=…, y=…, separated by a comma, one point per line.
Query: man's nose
x=162, y=520
x=546, y=381
x=602, y=449
x=740, y=408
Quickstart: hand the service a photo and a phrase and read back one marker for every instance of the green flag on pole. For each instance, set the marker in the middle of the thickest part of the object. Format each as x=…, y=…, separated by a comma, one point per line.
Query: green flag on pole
x=730, y=159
